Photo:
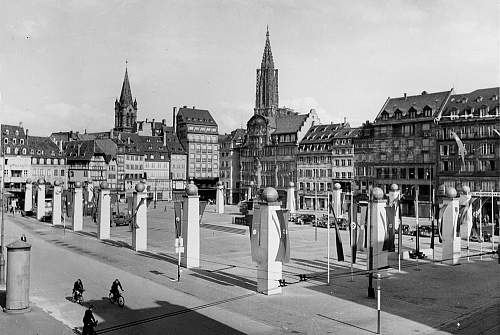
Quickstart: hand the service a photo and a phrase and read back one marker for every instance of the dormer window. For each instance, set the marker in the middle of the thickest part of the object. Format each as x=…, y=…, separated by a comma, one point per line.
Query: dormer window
x=14, y=141
x=494, y=98
x=454, y=114
x=412, y=113
x=7, y=131
x=398, y=115
x=385, y=115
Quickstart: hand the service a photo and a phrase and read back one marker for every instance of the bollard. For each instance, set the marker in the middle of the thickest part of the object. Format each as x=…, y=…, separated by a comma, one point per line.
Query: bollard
x=378, y=303
x=451, y=242
x=290, y=198
x=18, y=277
x=28, y=196
x=219, y=198
x=56, y=203
x=377, y=227
x=140, y=228
x=40, y=199
x=78, y=207
x=103, y=224
x=191, y=227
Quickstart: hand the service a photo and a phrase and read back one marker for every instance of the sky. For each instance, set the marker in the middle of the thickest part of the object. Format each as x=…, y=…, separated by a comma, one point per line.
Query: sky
x=62, y=63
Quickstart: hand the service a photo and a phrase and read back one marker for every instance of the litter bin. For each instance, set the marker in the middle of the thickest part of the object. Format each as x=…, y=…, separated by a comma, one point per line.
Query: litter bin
x=18, y=277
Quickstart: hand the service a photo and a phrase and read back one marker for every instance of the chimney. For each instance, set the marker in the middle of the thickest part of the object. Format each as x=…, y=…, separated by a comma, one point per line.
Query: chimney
x=173, y=118
x=111, y=133
x=405, y=96
x=153, y=121
x=164, y=122
x=345, y=120
x=79, y=146
x=20, y=124
x=85, y=131
x=165, y=139
x=128, y=140
x=194, y=107
x=26, y=132
x=60, y=146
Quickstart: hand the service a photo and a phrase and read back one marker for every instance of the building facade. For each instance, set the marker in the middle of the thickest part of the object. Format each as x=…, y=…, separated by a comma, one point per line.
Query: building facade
x=400, y=147
x=475, y=118
x=197, y=132
x=325, y=157
x=229, y=170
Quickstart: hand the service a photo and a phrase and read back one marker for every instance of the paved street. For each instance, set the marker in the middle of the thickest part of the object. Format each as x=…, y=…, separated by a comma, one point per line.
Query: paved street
x=220, y=297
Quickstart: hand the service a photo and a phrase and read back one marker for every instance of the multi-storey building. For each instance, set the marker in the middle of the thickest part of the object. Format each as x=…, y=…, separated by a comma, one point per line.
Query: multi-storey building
x=268, y=156
x=48, y=161
x=130, y=161
x=229, y=170
x=86, y=163
x=325, y=157
x=157, y=167
x=198, y=133
x=16, y=160
x=152, y=128
x=178, y=166
x=400, y=147
x=475, y=118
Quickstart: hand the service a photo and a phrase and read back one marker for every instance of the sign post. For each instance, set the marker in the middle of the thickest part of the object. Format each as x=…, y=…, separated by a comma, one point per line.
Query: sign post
x=179, y=248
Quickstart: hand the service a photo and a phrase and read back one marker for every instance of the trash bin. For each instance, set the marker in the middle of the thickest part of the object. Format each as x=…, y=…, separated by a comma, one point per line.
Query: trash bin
x=18, y=277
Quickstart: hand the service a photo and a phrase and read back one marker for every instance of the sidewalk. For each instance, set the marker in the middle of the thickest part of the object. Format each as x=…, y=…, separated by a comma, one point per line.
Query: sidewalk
x=413, y=301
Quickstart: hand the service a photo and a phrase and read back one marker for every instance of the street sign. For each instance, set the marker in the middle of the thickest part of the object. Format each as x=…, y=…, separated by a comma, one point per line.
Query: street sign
x=179, y=245
x=179, y=250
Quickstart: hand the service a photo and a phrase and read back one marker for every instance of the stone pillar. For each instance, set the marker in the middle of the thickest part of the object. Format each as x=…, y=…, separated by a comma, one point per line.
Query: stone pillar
x=219, y=198
x=394, y=197
x=191, y=227
x=28, y=196
x=465, y=205
x=290, y=198
x=40, y=199
x=78, y=207
x=337, y=200
x=140, y=229
x=451, y=242
x=249, y=190
x=56, y=203
x=104, y=220
x=376, y=229
x=269, y=271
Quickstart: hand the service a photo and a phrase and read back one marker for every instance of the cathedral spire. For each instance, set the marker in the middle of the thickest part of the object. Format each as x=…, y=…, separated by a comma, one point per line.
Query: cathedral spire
x=267, y=57
x=126, y=94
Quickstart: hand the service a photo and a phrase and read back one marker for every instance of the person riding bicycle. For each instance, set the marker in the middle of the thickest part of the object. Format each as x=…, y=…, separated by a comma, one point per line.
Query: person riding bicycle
x=89, y=322
x=114, y=288
x=78, y=287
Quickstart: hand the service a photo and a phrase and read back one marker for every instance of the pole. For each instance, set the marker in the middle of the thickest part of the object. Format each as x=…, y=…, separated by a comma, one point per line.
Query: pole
x=431, y=201
x=371, y=290
x=492, y=225
x=481, y=227
x=353, y=237
x=179, y=267
x=2, y=233
x=328, y=236
x=378, y=303
x=315, y=207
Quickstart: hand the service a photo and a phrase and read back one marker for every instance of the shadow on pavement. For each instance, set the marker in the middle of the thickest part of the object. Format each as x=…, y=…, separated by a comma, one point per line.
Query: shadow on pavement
x=163, y=318
x=227, y=279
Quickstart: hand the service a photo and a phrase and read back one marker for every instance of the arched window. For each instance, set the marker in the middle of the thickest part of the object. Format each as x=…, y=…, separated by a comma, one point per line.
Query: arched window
x=24, y=151
x=21, y=141
x=16, y=151
x=7, y=150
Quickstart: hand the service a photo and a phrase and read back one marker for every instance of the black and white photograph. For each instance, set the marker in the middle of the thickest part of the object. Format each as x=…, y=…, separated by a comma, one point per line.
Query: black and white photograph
x=249, y=167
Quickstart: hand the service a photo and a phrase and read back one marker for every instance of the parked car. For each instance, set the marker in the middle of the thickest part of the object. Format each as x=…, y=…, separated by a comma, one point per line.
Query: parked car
x=425, y=231
x=486, y=237
x=305, y=219
x=405, y=228
x=121, y=219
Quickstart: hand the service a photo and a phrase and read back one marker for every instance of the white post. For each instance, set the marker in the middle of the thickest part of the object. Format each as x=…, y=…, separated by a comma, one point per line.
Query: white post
x=290, y=198
x=140, y=228
x=378, y=221
x=78, y=207
x=56, y=203
x=451, y=242
x=463, y=201
x=28, y=196
x=269, y=271
x=40, y=199
x=191, y=227
x=394, y=196
x=104, y=220
x=492, y=224
x=481, y=226
x=328, y=236
x=219, y=198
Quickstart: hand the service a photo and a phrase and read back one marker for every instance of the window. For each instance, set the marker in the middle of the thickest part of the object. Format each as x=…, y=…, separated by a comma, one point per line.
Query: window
x=6, y=140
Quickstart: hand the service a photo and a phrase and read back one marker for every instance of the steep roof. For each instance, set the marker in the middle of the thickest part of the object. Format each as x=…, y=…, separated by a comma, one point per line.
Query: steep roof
x=43, y=147
x=289, y=123
x=80, y=150
x=126, y=93
x=434, y=101
x=323, y=133
x=267, y=57
x=471, y=103
x=195, y=116
x=173, y=145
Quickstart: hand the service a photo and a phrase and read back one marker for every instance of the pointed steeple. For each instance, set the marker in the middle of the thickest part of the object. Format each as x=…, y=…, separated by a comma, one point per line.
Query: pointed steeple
x=267, y=57
x=126, y=94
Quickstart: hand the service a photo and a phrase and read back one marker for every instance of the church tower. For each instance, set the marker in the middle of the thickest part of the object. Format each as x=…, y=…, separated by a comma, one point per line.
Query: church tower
x=126, y=108
x=266, y=97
